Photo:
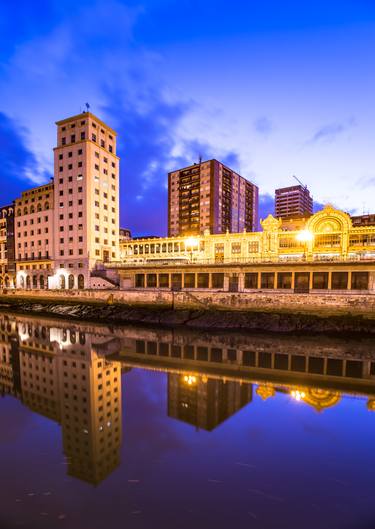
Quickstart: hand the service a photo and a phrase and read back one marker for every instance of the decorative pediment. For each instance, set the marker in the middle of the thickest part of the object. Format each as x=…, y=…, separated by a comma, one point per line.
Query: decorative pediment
x=271, y=223
x=329, y=220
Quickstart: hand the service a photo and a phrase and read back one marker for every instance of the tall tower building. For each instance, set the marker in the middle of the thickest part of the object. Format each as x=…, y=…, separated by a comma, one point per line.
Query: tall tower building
x=293, y=201
x=86, y=191
x=210, y=196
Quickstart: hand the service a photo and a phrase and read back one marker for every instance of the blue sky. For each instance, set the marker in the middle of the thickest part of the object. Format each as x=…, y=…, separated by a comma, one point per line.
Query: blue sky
x=272, y=88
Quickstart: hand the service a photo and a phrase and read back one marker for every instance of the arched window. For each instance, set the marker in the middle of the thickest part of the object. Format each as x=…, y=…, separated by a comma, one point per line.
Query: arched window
x=28, y=282
x=62, y=282
x=32, y=209
x=82, y=338
x=81, y=281
x=35, y=281
x=22, y=282
x=71, y=281
x=41, y=282
x=46, y=205
x=73, y=337
x=25, y=211
x=19, y=212
x=39, y=207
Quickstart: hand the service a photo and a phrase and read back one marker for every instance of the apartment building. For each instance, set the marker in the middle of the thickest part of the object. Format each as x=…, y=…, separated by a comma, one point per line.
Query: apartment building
x=7, y=249
x=293, y=202
x=56, y=235
x=86, y=192
x=34, y=233
x=210, y=197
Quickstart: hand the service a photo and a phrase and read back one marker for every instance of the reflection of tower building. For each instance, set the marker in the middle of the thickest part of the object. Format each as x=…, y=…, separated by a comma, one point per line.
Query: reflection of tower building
x=91, y=408
x=64, y=378
x=205, y=402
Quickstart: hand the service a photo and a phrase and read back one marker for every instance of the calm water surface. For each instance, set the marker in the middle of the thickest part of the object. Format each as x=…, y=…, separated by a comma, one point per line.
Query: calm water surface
x=146, y=428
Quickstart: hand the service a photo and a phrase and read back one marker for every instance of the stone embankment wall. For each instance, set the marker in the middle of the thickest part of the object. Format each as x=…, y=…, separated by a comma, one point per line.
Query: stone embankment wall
x=321, y=303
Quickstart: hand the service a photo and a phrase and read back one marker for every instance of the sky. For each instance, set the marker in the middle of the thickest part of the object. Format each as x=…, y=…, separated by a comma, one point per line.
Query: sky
x=272, y=88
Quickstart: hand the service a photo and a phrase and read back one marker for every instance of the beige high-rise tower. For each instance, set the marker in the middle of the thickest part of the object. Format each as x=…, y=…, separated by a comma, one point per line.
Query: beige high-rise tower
x=86, y=192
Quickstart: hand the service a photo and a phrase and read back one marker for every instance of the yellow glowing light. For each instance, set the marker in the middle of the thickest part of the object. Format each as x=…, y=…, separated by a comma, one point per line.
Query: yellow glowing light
x=190, y=379
x=191, y=242
x=304, y=236
x=298, y=395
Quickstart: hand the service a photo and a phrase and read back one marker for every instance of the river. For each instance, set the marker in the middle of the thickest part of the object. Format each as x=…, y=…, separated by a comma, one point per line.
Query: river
x=106, y=427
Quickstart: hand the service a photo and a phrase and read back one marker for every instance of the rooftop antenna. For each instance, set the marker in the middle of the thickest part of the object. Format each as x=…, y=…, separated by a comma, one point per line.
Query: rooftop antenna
x=87, y=107
x=200, y=159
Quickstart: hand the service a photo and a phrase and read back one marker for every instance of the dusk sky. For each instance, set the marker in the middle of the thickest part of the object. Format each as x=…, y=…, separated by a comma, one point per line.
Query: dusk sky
x=271, y=88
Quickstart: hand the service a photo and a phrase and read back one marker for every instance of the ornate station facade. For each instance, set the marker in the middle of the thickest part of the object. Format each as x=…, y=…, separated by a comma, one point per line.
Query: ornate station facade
x=322, y=252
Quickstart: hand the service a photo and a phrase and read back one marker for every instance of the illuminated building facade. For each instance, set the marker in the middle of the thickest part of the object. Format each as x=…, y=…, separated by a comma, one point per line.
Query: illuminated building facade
x=56, y=235
x=325, y=253
x=7, y=247
x=34, y=236
x=86, y=191
x=210, y=196
x=293, y=201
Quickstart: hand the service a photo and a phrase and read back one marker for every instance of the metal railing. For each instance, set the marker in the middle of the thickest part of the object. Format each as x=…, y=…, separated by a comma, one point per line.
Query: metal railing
x=240, y=260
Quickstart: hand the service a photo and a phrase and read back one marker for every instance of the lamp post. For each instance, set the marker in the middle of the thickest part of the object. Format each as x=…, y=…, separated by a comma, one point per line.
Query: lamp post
x=192, y=243
x=304, y=236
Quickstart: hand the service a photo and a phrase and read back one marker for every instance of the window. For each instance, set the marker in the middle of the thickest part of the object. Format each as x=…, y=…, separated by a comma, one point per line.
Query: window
x=253, y=247
x=236, y=248
x=251, y=280
x=93, y=137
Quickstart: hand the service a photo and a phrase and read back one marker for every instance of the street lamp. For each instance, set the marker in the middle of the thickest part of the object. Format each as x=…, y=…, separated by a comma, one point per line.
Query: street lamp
x=192, y=243
x=304, y=236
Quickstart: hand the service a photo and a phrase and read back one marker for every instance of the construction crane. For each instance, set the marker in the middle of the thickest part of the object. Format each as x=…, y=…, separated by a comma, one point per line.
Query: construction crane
x=299, y=181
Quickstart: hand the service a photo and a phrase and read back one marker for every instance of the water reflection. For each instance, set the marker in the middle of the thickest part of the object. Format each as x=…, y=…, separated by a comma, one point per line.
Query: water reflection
x=72, y=374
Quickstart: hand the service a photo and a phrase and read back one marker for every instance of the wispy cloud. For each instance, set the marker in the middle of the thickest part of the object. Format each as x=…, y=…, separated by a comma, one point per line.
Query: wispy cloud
x=19, y=166
x=328, y=133
x=366, y=182
x=263, y=126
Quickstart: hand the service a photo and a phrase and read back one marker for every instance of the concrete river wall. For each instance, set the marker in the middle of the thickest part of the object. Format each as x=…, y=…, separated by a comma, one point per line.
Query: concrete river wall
x=277, y=311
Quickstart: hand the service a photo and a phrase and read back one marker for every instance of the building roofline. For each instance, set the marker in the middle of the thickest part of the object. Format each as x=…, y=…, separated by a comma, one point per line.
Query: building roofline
x=84, y=115
x=50, y=183
x=212, y=160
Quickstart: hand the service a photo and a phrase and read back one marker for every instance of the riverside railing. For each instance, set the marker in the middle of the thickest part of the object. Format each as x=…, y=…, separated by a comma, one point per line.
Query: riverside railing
x=175, y=262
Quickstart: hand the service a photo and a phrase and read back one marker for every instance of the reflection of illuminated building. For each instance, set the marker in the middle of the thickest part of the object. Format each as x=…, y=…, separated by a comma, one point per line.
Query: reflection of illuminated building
x=205, y=402
x=320, y=399
x=9, y=358
x=64, y=377
x=91, y=412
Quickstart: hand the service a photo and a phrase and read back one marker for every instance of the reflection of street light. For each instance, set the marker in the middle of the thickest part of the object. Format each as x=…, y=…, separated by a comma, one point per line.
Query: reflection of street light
x=192, y=243
x=298, y=395
x=190, y=379
x=304, y=236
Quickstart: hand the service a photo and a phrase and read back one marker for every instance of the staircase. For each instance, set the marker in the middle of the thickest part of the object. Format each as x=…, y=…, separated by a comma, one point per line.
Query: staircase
x=109, y=276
